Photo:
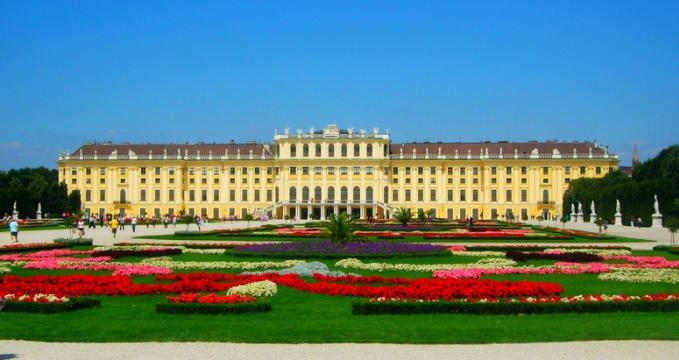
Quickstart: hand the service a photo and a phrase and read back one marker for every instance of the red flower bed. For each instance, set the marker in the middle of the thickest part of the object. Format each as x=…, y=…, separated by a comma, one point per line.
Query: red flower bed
x=402, y=288
x=211, y=298
x=28, y=247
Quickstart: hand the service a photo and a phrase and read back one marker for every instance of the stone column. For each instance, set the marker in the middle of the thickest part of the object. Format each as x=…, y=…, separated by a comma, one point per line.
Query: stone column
x=362, y=211
x=322, y=212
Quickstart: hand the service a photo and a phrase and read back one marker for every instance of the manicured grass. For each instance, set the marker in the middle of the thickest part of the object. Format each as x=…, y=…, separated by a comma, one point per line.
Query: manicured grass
x=47, y=227
x=298, y=317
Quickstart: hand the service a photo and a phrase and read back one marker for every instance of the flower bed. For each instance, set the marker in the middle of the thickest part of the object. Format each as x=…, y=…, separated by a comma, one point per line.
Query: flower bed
x=257, y=289
x=183, y=244
x=353, y=263
x=218, y=265
x=211, y=298
x=578, y=233
x=568, y=256
x=31, y=247
x=74, y=241
x=544, y=305
x=530, y=247
x=148, y=252
x=327, y=249
x=642, y=275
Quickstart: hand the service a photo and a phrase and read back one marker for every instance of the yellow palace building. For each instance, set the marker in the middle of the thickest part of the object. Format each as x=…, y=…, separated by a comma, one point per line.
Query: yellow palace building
x=316, y=173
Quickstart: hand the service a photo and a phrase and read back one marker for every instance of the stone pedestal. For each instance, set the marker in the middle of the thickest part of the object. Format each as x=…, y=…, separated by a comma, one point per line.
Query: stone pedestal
x=580, y=217
x=38, y=216
x=618, y=219
x=592, y=218
x=657, y=220
x=15, y=215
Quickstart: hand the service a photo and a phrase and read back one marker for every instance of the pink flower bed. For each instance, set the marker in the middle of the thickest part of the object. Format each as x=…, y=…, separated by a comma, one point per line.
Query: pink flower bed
x=559, y=268
x=297, y=232
x=118, y=269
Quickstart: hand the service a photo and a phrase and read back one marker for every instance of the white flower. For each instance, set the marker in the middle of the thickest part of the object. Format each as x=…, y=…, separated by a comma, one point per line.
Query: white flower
x=257, y=289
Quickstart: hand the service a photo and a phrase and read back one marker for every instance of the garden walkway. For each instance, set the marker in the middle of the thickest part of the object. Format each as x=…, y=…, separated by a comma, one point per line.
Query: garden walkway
x=619, y=350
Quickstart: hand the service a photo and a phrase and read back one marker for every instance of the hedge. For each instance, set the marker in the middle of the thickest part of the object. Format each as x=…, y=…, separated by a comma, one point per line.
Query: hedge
x=51, y=308
x=188, y=233
x=668, y=248
x=116, y=254
x=445, y=307
x=214, y=309
x=569, y=256
x=74, y=241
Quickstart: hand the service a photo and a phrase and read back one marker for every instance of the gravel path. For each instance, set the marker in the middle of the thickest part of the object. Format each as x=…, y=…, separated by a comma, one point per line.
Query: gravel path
x=619, y=350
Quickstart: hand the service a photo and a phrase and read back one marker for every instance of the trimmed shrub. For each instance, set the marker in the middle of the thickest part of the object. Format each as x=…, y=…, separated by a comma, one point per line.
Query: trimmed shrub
x=51, y=308
x=188, y=233
x=74, y=241
x=141, y=253
x=213, y=309
x=444, y=307
x=569, y=257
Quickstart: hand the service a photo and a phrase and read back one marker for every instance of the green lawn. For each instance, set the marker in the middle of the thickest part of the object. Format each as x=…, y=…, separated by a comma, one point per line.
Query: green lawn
x=299, y=317
x=48, y=227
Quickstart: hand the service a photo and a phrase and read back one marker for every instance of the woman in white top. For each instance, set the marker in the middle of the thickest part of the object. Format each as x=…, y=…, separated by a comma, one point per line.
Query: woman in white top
x=81, y=228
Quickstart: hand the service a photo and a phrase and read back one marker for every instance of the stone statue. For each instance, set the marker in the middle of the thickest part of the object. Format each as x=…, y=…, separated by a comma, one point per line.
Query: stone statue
x=579, y=207
x=15, y=213
x=655, y=205
x=572, y=209
x=15, y=206
x=38, y=214
x=591, y=208
x=617, y=206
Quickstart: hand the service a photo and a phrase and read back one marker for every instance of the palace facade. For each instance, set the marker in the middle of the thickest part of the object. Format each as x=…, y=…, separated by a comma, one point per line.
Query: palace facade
x=316, y=173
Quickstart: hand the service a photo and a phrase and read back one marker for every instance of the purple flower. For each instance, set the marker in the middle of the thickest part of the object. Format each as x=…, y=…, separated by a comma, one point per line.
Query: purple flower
x=327, y=247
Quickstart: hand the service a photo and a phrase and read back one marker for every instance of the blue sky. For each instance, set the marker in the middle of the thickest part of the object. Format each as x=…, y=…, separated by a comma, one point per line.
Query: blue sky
x=144, y=71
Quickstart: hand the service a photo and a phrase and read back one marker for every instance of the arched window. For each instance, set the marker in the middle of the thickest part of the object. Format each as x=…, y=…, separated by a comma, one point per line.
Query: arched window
x=357, y=150
x=318, y=194
x=344, y=150
x=293, y=194
x=369, y=194
x=357, y=194
x=305, y=193
x=122, y=196
x=305, y=150
x=369, y=150
x=293, y=150
x=331, y=193
x=344, y=194
x=545, y=196
x=386, y=194
x=276, y=194
x=318, y=150
x=331, y=150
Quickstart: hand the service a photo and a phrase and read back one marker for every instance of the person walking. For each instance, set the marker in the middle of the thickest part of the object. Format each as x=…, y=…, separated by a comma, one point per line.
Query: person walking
x=174, y=221
x=134, y=223
x=114, y=227
x=14, y=231
x=165, y=221
x=198, y=222
x=80, y=225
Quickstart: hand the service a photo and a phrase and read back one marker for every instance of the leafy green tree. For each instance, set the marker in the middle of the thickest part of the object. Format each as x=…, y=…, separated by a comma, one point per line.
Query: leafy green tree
x=73, y=203
x=421, y=215
x=403, y=215
x=599, y=222
x=248, y=217
x=70, y=222
x=341, y=229
x=188, y=220
x=564, y=220
x=673, y=227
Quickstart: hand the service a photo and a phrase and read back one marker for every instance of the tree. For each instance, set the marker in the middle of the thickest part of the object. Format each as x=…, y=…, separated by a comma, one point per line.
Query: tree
x=403, y=215
x=421, y=215
x=248, y=217
x=69, y=221
x=341, y=229
x=73, y=202
x=599, y=222
x=673, y=227
x=564, y=220
x=188, y=219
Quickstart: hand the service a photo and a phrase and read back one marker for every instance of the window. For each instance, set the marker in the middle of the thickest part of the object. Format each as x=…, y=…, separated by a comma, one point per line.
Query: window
x=407, y=170
x=369, y=170
x=545, y=170
x=192, y=171
x=357, y=150
x=305, y=150
x=215, y=195
x=582, y=170
x=343, y=170
x=463, y=181
x=524, y=195
x=450, y=172
x=524, y=170
x=545, y=181
x=420, y=180
x=102, y=195
x=232, y=171
x=369, y=150
x=463, y=171
x=157, y=180
x=156, y=171
x=170, y=195
x=475, y=180
x=344, y=150
x=305, y=170
x=475, y=171
x=508, y=170
x=318, y=150
x=523, y=180
x=509, y=180
x=545, y=196
x=122, y=171
x=143, y=180
x=269, y=195
x=244, y=171
x=432, y=170
x=293, y=150
x=369, y=194
x=331, y=170
x=216, y=180
x=142, y=171
x=407, y=195
x=598, y=170
x=357, y=170
x=568, y=180
x=432, y=195
x=331, y=150
x=420, y=170
x=394, y=171
x=244, y=195
x=508, y=197
x=142, y=195
x=192, y=195
x=293, y=170
x=257, y=195
x=493, y=170
x=463, y=195
x=232, y=195
x=88, y=195
x=450, y=180
x=215, y=171
x=420, y=195
x=493, y=195
x=102, y=181
x=450, y=194
x=171, y=170
x=156, y=195
x=493, y=181
x=567, y=170
x=102, y=171
x=331, y=193
x=344, y=194
x=357, y=194
x=394, y=195
x=475, y=195
x=74, y=181
x=317, y=170
x=269, y=170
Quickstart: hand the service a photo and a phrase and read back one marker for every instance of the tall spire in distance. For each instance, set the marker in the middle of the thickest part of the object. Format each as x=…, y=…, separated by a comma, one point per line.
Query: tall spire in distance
x=635, y=156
